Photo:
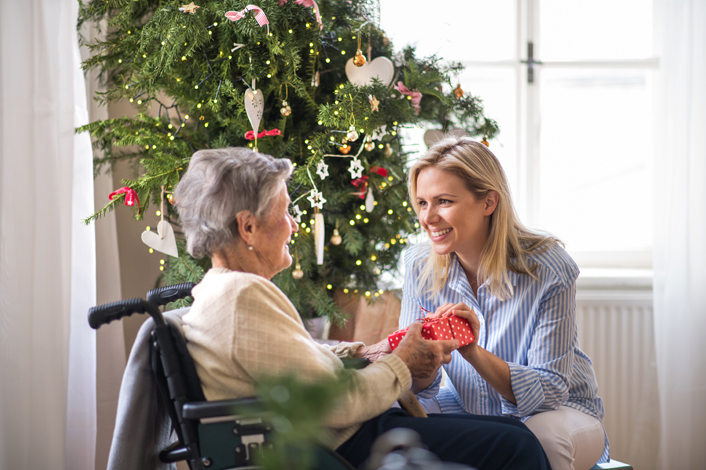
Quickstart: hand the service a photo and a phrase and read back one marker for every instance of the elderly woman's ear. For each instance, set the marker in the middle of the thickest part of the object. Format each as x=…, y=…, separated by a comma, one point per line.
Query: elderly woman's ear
x=246, y=226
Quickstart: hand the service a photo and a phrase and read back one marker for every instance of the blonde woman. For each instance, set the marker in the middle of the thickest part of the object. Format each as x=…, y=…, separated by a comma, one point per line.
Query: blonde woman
x=518, y=289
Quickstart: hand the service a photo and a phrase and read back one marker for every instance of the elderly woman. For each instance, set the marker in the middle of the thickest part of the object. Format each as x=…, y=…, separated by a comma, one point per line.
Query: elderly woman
x=518, y=289
x=233, y=204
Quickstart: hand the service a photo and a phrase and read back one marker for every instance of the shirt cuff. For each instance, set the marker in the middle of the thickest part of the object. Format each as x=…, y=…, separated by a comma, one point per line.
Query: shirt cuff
x=527, y=388
x=432, y=390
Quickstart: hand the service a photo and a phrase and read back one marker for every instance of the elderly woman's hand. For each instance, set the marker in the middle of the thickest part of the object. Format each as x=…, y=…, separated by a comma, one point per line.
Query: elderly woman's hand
x=375, y=351
x=423, y=357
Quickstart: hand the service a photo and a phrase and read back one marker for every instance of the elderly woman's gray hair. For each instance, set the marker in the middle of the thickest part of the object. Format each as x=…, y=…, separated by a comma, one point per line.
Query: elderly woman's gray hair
x=218, y=185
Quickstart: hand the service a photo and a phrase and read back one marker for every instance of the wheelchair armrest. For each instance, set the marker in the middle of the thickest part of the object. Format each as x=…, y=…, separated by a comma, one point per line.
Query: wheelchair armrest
x=222, y=408
x=232, y=407
x=355, y=362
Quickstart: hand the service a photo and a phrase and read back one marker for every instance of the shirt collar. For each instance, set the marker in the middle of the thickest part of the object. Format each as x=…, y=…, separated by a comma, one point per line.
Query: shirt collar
x=459, y=282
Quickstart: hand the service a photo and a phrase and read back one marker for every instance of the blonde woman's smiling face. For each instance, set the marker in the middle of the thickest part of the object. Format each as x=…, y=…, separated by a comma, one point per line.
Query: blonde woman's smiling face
x=450, y=214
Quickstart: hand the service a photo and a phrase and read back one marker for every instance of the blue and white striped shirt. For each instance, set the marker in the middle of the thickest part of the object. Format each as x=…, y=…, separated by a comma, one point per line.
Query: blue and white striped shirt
x=534, y=332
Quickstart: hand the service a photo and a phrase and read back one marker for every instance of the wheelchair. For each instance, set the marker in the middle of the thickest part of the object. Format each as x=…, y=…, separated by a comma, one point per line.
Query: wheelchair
x=213, y=435
x=210, y=435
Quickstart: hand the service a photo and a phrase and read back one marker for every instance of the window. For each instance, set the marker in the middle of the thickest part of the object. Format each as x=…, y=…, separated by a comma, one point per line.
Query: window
x=571, y=86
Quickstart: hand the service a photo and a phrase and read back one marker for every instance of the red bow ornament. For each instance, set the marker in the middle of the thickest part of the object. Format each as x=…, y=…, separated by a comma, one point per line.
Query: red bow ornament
x=250, y=135
x=414, y=94
x=443, y=327
x=361, y=183
x=130, y=196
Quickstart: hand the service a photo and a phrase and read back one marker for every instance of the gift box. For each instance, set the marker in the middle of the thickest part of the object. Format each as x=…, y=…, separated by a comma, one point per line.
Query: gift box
x=447, y=326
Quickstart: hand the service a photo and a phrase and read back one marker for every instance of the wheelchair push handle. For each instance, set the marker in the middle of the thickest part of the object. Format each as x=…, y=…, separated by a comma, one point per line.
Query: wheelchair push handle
x=164, y=295
x=106, y=313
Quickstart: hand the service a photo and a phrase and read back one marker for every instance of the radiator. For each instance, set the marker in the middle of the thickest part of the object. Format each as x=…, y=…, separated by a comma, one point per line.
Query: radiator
x=616, y=331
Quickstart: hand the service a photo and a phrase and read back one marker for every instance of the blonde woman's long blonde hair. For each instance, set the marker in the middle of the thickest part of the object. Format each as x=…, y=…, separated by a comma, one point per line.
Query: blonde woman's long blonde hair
x=509, y=242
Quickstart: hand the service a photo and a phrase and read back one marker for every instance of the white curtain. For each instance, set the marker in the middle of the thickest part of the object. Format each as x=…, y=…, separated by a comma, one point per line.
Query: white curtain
x=680, y=237
x=47, y=257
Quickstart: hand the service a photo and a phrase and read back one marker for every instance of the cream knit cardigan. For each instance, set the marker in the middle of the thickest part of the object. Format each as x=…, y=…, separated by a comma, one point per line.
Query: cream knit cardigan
x=241, y=326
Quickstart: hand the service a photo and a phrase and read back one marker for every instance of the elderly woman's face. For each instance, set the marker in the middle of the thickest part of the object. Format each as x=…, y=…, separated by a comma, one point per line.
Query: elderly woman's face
x=275, y=233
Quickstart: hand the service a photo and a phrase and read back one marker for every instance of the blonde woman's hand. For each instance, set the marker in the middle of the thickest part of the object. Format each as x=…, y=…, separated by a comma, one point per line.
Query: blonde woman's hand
x=464, y=311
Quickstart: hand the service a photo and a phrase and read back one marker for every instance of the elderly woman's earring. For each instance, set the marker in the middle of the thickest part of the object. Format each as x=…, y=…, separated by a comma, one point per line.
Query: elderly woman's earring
x=250, y=247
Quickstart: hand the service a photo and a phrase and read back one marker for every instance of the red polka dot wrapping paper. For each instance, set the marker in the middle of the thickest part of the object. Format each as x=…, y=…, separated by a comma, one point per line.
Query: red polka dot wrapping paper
x=444, y=327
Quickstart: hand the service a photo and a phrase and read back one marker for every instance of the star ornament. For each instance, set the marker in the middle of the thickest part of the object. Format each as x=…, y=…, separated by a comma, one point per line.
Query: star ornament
x=190, y=8
x=316, y=199
x=322, y=170
x=356, y=169
x=297, y=213
x=380, y=132
x=373, y=103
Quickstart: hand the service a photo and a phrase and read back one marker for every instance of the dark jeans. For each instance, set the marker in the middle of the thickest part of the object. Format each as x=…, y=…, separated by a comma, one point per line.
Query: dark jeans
x=484, y=442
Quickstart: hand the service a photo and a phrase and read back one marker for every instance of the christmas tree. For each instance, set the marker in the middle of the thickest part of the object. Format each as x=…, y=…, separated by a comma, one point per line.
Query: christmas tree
x=319, y=78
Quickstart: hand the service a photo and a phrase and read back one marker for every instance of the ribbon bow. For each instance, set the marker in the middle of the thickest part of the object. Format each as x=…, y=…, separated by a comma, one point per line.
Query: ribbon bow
x=260, y=16
x=362, y=182
x=414, y=94
x=130, y=196
x=250, y=135
x=307, y=3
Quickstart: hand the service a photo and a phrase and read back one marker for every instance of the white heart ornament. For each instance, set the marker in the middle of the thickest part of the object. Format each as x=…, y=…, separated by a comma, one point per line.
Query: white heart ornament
x=432, y=136
x=254, y=104
x=380, y=67
x=162, y=241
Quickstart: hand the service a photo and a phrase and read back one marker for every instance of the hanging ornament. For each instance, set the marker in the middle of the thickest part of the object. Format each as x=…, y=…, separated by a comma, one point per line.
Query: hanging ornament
x=345, y=148
x=388, y=151
x=316, y=199
x=359, y=59
x=254, y=104
x=322, y=170
x=260, y=16
x=297, y=213
x=170, y=198
x=380, y=67
x=361, y=183
x=315, y=79
x=319, y=236
x=336, y=238
x=285, y=109
x=352, y=134
x=369, y=145
x=130, y=196
x=485, y=142
x=458, y=92
x=250, y=135
x=297, y=273
x=373, y=103
x=356, y=168
x=414, y=96
x=369, y=200
x=164, y=240
x=190, y=8
x=380, y=132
